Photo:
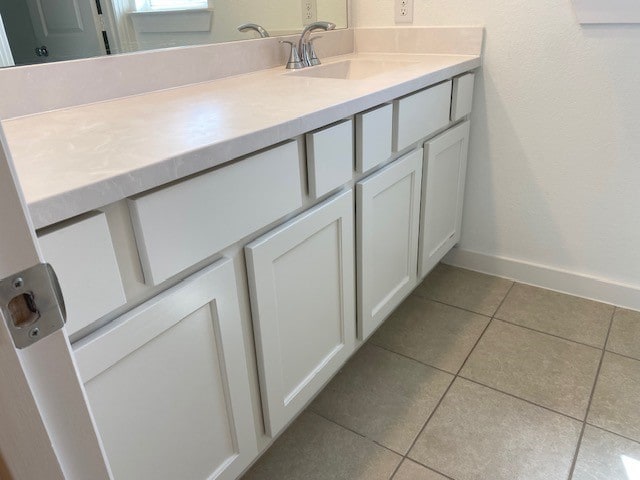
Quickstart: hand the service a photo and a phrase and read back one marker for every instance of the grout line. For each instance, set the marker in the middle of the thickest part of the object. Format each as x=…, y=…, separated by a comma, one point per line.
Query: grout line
x=483, y=331
x=357, y=433
x=546, y=333
x=613, y=433
x=427, y=299
x=415, y=440
x=342, y=426
x=386, y=448
x=622, y=355
x=520, y=398
x=486, y=327
x=593, y=390
x=430, y=468
x=411, y=358
x=504, y=299
x=429, y=417
x=395, y=470
x=574, y=460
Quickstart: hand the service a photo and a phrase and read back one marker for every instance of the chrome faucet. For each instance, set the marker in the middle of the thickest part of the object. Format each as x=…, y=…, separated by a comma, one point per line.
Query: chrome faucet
x=245, y=27
x=305, y=45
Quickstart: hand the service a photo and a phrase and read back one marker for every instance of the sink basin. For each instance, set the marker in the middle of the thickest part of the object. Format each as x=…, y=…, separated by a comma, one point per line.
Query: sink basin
x=352, y=69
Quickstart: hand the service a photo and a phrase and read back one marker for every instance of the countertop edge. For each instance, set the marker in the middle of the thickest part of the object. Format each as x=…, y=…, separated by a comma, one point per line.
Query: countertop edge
x=49, y=210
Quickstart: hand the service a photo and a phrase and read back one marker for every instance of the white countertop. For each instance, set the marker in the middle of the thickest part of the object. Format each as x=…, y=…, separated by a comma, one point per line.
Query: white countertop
x=74, y=160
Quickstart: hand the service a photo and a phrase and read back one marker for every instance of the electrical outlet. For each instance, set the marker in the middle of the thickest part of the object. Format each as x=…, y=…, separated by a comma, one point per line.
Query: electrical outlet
x=309, y=11
x=403, y=11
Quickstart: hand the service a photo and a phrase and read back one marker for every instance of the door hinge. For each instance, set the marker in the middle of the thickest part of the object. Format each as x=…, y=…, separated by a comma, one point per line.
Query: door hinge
x=101, y=23
x=32, y=304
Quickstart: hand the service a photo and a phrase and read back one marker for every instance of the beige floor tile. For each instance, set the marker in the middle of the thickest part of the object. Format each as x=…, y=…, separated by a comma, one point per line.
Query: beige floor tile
x=462, y=288
x=412, y=471
x=432, y=333
x=316, y=449
x=569, y=317
x=383, y=396
x=625, y=333
x=546, y=370
x=478, y=433
x=605, y=456
x=616, y=400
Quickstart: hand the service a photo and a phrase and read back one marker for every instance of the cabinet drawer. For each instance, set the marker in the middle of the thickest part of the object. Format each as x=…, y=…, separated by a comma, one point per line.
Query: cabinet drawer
x=373, y=137
x=330, y=158
x=84, y=260
x=462, y=96
x=168, y=383
x=180, y=225
x=420, y=114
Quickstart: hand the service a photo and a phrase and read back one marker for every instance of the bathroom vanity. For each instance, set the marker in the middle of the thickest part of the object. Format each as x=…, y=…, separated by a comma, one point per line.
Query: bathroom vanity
x=224, y=248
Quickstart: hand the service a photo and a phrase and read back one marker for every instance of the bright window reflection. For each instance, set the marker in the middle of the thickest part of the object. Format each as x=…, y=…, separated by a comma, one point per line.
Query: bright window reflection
x=169, y=4
x=632, y=467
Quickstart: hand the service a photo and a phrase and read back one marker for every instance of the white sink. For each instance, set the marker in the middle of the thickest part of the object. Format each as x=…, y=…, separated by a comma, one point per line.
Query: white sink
x=352, y=69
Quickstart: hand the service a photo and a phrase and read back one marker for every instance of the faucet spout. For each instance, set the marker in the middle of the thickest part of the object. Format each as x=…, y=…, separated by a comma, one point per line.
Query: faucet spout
x=245, y=27
x=304, y=45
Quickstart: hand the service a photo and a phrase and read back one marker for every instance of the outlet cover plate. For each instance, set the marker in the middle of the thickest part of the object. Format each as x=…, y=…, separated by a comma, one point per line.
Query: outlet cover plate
x=309, y=11
x=403, y=11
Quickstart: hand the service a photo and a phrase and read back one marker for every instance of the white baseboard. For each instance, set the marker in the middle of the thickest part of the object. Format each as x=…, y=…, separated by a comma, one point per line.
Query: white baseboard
x=602, y=290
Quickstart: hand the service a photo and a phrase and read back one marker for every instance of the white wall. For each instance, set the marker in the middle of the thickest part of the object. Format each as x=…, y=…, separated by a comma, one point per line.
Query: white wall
x=554, y=172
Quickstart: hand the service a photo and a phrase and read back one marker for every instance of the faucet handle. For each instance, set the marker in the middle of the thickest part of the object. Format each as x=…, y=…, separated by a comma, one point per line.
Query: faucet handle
x=294, y=61
x=311, y=52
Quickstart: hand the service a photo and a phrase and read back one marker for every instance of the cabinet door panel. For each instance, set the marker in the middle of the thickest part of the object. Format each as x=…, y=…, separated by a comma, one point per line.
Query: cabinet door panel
x=301, y=279
x=168, y=384
x=442, y=195
x=388, y=226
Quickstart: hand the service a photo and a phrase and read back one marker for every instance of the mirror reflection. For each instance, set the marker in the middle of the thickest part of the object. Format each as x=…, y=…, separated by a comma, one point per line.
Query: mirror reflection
x=38, y=31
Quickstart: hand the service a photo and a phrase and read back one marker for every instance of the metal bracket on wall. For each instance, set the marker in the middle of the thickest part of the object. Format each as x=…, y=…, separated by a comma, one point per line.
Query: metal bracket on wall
x=32, y=304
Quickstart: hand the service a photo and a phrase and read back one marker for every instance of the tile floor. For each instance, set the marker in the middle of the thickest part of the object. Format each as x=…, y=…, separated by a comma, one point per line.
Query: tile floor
x=475, y=377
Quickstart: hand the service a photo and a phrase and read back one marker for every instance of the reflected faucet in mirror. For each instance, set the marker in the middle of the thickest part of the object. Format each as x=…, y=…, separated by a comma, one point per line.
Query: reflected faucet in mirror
x=246, y=27
x=73, y=29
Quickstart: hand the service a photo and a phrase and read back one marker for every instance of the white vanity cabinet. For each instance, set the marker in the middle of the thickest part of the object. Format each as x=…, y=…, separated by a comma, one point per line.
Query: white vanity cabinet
x=445, y=169
x=174, y=384
x=301, y=282
x=388, y=218
x=168, y=384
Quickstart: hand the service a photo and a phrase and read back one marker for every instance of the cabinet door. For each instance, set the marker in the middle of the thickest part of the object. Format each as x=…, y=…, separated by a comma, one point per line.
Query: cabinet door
x=168, y=384
x=445, y=168
x=301, y=279
x=388, y=226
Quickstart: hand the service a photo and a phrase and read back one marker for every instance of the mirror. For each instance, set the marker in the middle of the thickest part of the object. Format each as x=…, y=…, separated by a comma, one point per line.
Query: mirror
x=39, y=31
